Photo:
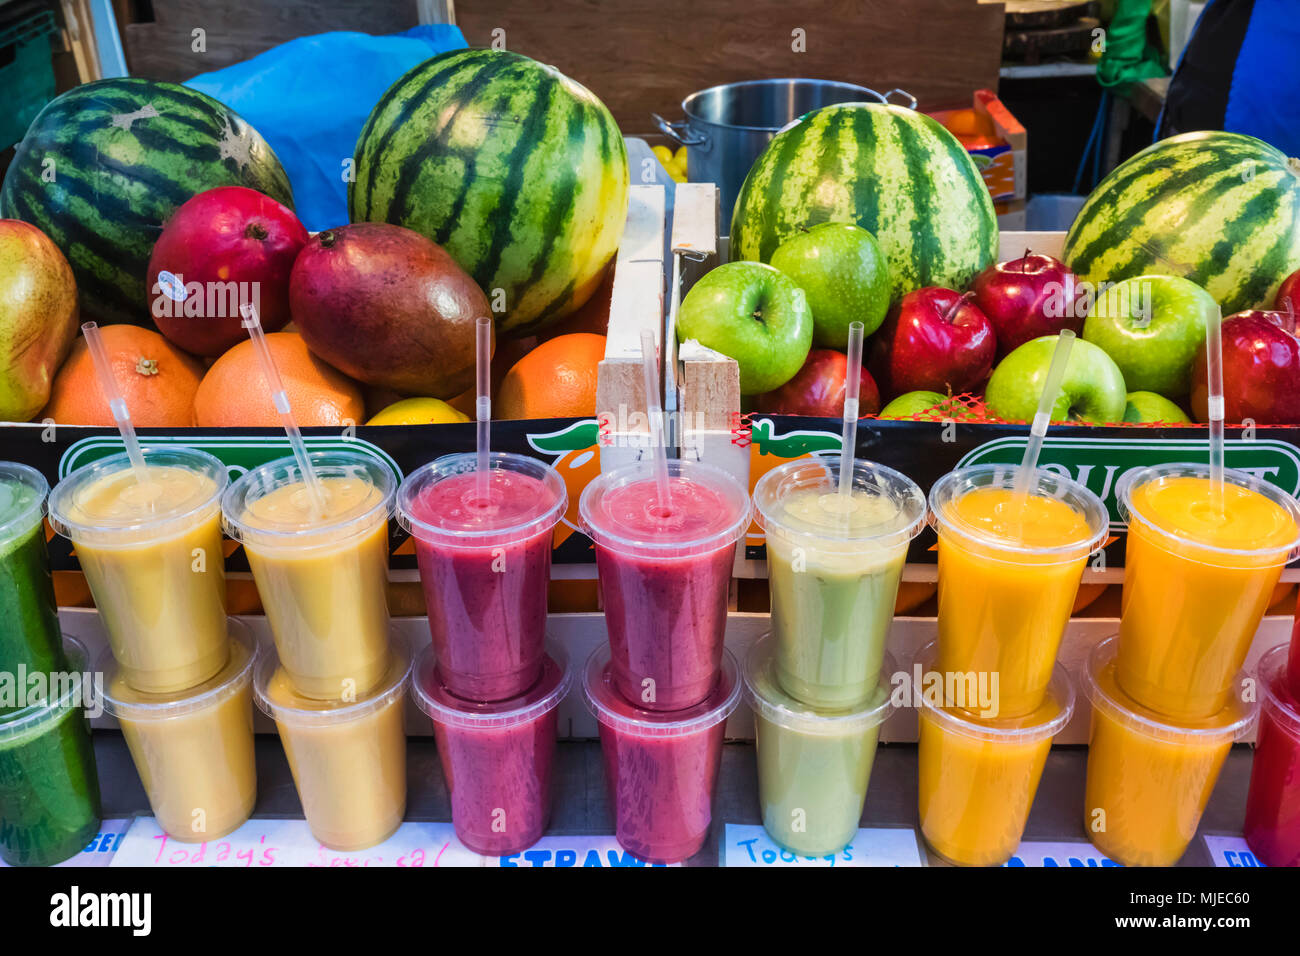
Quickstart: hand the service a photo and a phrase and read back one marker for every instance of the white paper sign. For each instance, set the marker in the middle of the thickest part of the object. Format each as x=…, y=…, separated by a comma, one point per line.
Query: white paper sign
x=747, y=845
x=100, y=850
x=1075, y=853
x=1231, y=851
x=572, y=851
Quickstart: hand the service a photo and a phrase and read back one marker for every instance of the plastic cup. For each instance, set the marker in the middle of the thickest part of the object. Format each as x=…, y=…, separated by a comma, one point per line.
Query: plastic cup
x=1292, y=675
x=813, y=764
x=665, y=577
x=152, y=557
x=833, y=574
x=661, y=768
x=193, y=749
x=322, y=577
x=1008, y=578
x=1195, y=585
x=977, y=777
x=497, y=757
x=49, y=791
x=1272, y=827
x=485, y=565
x=1149, y=779
x=348, y=759
x=29, y=621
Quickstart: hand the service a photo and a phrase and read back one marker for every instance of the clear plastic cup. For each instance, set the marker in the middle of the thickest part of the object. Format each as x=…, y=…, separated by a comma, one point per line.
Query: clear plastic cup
x=49, y=790
x=813, y=764
x=833, y=575
x=322, y=577
x=1008, y=578
x=1292, y=675
x=1196, y=585
x=661, y=768
x=977, y=777
x=485, y=565
x=497, y=757
x=665, y=577
x=193, y=749
x=29, y=620
x=348, y=759
x=1272, y=827
x=1149, y=778
x=152, y=557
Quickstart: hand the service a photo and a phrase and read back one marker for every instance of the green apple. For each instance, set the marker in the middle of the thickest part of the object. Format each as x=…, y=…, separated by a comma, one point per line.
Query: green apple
x=914, y=403
x=845, y=276
x=1091, y=391
x=755, y=314
x=1145, y=407
x=1154, y=328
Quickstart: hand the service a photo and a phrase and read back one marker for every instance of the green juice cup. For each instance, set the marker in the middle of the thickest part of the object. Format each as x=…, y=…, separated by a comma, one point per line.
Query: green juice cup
x=833, y=570
x=49, y=791
x=813, y=765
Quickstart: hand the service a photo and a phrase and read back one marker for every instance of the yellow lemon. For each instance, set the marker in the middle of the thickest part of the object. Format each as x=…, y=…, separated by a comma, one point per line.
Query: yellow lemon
x=663, y=154
x=418, y=411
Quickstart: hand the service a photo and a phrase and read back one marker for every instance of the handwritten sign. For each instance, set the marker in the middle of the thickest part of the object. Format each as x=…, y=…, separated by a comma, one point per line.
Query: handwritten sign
x=1231, y=851
x=99, y=851
x=1075, y=853
x=745, y=845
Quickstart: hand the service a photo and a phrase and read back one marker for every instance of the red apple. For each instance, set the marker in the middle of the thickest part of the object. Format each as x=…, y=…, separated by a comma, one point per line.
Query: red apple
x=1027, y=298
x=1288, y=295
x=1261, y=370
x=818, y=389
x=934, y=340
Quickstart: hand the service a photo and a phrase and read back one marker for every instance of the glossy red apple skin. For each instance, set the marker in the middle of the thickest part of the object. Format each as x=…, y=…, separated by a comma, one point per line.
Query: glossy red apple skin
x=1015, y=296
x=1261, y=370
x=934, y=340
x=818, y=389
x=1288, y=296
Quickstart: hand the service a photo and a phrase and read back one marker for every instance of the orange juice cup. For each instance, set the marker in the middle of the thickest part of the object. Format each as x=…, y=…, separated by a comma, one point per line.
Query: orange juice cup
x=1196, y=583
x=1149, y=778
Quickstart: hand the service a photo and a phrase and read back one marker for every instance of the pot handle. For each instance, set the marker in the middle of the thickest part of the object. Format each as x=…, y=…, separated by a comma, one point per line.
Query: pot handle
x=679, y=132
x=911, y=100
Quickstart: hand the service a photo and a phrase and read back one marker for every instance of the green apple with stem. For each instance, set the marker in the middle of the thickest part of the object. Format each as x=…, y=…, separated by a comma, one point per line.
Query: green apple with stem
x=916, y=403
x=841, y=269
x=1091, y=391
x=755, y=314
x=1147, y=407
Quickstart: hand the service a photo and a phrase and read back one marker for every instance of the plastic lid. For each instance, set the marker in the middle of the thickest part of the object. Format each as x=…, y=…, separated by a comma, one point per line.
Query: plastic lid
x=888, y=507
x=440, y=502
x=29, y=720
x=127, y=703
x=433, y=697
x=613, y=710
x=22, y=499
x=1047, y=721
x=1231, y=723
x=297, y=709
x=953, y=486
x=1192, y=535
x=359, y=490
x=620, y=510
x=1277, y=699
x=103, y=503
x=765, y=696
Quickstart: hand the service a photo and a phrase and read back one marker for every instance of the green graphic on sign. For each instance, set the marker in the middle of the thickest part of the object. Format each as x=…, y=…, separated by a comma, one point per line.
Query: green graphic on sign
x=792, y=444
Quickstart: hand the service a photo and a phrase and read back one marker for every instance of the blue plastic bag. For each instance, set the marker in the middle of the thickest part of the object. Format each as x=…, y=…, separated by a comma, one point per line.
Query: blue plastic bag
x=310, y=97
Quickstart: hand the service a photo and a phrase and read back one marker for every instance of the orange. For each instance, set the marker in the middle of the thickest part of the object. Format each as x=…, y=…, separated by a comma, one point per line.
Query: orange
x=234, y=394
x=156, y=378
x=555, y=380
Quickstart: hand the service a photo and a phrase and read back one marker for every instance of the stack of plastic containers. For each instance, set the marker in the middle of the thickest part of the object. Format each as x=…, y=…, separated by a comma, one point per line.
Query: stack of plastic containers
x=1166, y=693
x=483, y=542
x=1272, y=825
x=1009, y=570
x=663, y=688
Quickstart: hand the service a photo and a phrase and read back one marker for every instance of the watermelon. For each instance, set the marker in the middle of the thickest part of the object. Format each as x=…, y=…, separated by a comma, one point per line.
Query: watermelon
x=516, y=170
x=103, y=166
x=895, y=172
x=1220, y=209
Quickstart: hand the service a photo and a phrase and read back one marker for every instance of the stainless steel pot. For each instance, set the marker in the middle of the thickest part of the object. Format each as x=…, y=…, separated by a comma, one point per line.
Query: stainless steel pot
x=727, y=126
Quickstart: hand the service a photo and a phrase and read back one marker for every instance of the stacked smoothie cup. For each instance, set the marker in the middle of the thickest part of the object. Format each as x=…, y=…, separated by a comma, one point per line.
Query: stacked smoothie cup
x=1272, y=826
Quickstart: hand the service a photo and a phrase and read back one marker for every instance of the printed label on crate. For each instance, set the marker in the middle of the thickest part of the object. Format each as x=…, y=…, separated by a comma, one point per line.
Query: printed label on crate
x=747, y=845
x=100, y=850
x=1231, y=851
x=1078, y=854
x=573, y=851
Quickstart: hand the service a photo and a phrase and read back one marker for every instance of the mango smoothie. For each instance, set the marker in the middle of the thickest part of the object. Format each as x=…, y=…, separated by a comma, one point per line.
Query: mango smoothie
x=1009, y=570
x=321, y=571
x=193, y=749
x=151, y=553
x=1149, y=778
x=1197, y=582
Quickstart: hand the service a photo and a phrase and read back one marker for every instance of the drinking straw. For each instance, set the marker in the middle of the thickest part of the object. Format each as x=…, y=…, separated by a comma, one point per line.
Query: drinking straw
x=849, y=432
x=483, y=403
x=280, y=398
x=116, y=403
x=655, y=412
x=1214, y=400
x=1043, y=416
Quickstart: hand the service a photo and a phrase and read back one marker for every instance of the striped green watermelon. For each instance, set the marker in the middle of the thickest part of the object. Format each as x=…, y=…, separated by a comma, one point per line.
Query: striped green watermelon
x=518, y=171
x=103, y=166
x=895, y=172
x=1220, y=209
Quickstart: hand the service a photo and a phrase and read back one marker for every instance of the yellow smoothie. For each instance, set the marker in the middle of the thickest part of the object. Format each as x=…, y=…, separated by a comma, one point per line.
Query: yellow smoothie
x=1197, y=582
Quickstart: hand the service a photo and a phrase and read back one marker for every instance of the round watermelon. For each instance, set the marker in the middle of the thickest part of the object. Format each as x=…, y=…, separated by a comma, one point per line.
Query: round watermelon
x=893, y=171
x=103, y=166
x=516, y=170
x=1220, y=209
